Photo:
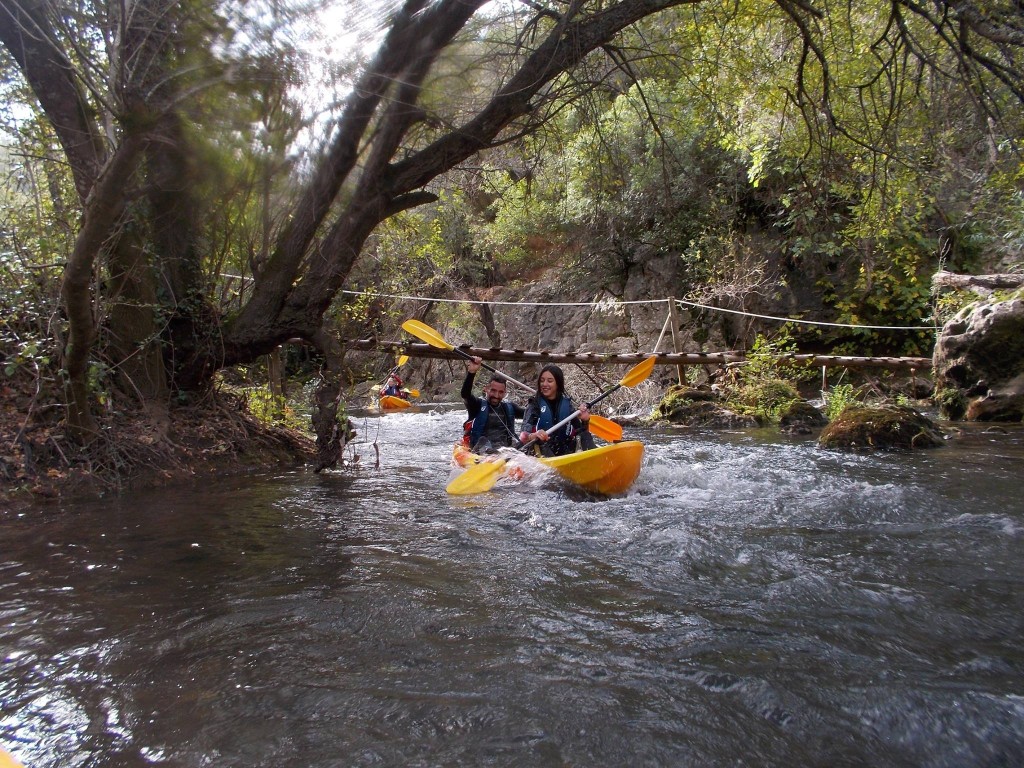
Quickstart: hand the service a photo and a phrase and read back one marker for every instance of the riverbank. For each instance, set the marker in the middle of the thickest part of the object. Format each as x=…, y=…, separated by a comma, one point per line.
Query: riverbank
x=213, y=438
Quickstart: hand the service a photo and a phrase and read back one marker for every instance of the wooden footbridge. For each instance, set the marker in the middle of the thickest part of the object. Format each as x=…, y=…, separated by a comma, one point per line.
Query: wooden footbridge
x=680, y=359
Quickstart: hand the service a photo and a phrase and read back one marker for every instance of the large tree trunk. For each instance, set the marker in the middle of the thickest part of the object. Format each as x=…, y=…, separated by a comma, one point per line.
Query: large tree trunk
x=133, y=323
x=332, y=431
x=106, y=205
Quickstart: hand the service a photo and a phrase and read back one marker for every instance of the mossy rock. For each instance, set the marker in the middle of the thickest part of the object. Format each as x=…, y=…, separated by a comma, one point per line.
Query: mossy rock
x=693, y=394
x=679, y=399
x=703, y=414
x=885, y=427
x=801, y=418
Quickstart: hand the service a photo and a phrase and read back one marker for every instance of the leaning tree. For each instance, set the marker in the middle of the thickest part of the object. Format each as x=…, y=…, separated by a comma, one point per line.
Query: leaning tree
x=125, y=90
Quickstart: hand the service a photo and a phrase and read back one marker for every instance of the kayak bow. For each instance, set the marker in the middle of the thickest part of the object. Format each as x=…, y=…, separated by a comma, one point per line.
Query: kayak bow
x=610, y=469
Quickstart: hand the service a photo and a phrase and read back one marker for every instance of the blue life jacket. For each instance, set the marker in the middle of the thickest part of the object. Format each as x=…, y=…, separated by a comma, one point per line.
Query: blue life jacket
x=548, y=419
x=480, y=422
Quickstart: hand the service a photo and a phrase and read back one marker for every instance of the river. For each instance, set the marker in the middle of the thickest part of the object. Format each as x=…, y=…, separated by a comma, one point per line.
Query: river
x=753, y=601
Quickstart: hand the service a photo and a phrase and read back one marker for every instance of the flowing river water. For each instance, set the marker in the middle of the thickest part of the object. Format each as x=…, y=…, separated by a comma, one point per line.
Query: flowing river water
x=753, y=601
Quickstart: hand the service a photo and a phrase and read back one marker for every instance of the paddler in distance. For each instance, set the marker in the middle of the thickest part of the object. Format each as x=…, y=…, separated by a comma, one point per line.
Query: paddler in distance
x=394, y=387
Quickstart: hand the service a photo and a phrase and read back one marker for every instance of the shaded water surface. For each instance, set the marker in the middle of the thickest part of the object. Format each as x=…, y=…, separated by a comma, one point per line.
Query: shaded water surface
x=753, y=601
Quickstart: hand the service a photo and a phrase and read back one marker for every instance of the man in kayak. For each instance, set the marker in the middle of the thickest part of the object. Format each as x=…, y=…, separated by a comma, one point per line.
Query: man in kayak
x=492, y=420
x=550, y=406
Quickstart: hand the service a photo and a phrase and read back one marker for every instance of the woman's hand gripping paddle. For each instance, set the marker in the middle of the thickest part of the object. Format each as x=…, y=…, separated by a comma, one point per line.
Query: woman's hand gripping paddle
x=600, y=426
x=481, y=477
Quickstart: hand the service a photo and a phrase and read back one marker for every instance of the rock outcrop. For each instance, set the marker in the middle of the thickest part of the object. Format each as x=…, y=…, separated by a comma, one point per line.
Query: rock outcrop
x=979, y=363
x=801, y=418
x=699, y=407
x=886, y=427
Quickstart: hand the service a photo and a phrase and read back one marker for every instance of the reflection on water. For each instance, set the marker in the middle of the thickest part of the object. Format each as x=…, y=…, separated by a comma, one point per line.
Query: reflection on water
x=753, y=601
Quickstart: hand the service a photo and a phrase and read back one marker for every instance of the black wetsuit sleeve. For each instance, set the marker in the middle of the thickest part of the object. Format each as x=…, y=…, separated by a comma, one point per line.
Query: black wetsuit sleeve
x=472, y=401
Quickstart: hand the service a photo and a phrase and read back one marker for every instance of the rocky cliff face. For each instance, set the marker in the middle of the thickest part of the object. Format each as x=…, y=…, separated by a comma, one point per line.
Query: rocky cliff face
x=629, y=317
x=979, y=362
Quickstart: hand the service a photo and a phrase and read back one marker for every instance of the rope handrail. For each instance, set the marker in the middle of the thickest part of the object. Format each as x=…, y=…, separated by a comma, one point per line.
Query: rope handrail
x=616, y=302
x=416, y=349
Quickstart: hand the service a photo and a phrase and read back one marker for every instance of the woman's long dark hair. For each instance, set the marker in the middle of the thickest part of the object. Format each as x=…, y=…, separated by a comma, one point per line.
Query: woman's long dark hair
x=555, y=371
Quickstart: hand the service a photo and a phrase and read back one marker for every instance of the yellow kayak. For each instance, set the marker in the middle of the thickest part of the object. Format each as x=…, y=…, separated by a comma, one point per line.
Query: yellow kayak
x=609, y=470
x=392, y=403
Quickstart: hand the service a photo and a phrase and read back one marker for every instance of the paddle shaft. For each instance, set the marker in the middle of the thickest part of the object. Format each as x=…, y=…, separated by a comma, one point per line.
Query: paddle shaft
x=504, y=375
x=391, y=373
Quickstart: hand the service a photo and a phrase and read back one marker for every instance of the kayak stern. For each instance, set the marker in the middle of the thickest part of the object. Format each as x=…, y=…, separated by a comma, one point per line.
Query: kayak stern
x=609, y=470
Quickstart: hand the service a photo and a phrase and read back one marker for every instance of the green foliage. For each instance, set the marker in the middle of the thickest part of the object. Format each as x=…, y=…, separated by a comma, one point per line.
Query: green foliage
x=767, y=399
x=527, y=219
x=766, y=361
x=948, y=304
x=837, y=398
x=894, y=290
x=272, y=409
x=33, y=239
x=952, y=402
x=23, y=355
x=766, y=383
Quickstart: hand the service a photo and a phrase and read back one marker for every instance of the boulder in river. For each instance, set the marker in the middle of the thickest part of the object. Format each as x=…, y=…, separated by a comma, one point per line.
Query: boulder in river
x=699, y=407
x=882, y=426
x=801, y=418
x=979, y=362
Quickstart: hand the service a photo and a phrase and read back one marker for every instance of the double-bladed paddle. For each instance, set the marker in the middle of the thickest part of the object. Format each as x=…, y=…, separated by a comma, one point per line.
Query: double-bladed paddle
x=600, y=426
x=483, y=476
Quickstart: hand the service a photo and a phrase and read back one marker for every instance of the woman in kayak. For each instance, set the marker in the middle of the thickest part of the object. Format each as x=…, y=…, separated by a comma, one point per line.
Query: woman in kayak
x=550, y=406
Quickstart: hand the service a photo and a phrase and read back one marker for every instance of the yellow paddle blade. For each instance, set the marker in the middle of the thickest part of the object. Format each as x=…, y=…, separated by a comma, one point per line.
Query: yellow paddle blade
x=425, y=333
x=639, y=372
x=413, y=392
x=604, y=428
x=478, y=478
x=402, y=360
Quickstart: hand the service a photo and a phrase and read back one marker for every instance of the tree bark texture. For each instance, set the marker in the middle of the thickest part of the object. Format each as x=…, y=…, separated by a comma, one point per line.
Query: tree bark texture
x=330, y=424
